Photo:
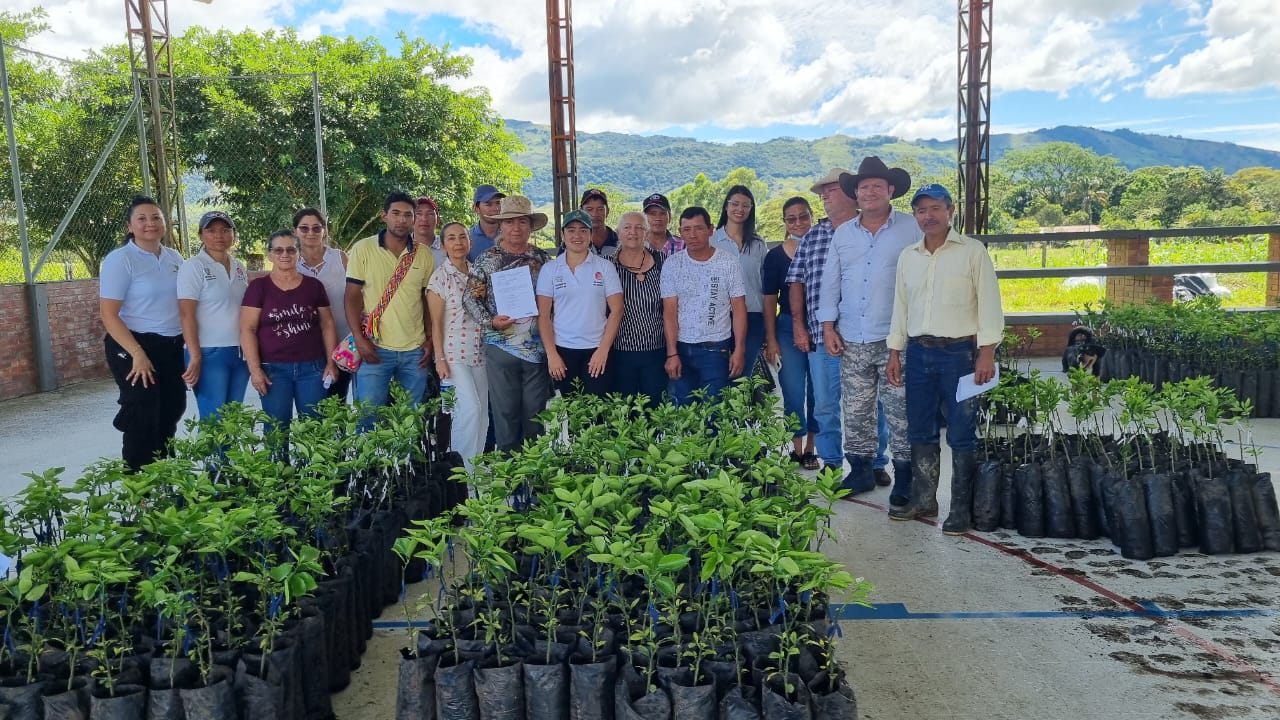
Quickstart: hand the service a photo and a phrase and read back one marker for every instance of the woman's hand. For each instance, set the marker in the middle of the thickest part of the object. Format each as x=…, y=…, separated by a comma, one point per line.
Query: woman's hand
x=772, y=352
x=330, y=375
x=191, y=375
x=259, y=380
x=599, y=359
x=142, y=371
x=502, y=322
x=442, y=368
x=555, y=366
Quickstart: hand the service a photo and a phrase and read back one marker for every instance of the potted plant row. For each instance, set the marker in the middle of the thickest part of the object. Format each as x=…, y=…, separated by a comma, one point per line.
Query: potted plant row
x=633, y=562
x=199, y=586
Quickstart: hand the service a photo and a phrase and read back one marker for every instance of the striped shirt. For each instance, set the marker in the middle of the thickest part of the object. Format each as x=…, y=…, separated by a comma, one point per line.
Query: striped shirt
x=641, y=327
x=806, y=267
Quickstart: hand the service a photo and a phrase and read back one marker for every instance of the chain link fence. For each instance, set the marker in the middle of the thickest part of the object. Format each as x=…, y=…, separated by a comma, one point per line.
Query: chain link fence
x=80, y=133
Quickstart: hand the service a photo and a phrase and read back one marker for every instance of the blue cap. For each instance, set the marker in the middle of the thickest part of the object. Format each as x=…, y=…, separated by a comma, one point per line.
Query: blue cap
x=932, y=190
x=576, y=216
x=485, y=193
x=213, y=216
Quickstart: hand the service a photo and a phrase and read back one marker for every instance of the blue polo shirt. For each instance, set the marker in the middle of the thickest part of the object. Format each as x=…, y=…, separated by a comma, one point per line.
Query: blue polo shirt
x=146, y=286
x=479, y=242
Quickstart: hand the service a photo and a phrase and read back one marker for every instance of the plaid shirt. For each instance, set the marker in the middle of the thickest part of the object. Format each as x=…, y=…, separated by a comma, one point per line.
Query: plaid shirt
x=673, y=245
x=806, y=267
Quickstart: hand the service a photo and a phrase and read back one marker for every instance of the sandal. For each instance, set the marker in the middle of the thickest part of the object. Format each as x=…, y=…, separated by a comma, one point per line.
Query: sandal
x=809, y=461
x=797, y=458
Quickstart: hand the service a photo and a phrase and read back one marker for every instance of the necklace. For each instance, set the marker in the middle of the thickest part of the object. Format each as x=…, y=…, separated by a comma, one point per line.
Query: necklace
x=637, y=270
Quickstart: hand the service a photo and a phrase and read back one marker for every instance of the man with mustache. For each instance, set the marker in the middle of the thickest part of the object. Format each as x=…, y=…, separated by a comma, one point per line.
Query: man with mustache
x=947, y=316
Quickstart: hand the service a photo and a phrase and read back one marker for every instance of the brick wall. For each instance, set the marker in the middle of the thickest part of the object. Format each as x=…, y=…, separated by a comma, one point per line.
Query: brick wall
x=75, y=328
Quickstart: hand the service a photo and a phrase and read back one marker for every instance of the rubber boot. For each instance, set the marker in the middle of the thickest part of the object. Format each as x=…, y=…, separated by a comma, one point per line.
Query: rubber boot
x=924, y=484
x=900, y=495
x=964, y=465
x=861, y=477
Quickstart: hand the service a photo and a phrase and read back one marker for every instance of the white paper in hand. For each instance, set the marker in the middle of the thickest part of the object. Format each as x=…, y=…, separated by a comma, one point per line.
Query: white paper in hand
x=967, y=388
x=513, y=292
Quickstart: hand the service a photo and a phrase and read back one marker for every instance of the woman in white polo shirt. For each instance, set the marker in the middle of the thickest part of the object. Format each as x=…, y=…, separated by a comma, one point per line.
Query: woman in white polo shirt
x=211, y=285
x=138, y=300
x=579, y=310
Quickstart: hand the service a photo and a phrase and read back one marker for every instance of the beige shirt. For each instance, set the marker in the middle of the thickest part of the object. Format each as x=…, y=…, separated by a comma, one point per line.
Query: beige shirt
x=952, y=292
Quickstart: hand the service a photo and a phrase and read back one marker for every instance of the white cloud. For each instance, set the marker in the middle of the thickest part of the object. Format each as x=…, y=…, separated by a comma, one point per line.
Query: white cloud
x=1238, y=53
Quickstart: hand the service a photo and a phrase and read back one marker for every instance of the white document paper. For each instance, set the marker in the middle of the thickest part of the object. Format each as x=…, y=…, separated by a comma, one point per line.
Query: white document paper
x=967, y=388
x=513, y=292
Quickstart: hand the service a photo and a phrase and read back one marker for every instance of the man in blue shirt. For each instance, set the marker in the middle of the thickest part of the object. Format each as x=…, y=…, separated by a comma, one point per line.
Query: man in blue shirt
x=855, y=307
x=484, y=234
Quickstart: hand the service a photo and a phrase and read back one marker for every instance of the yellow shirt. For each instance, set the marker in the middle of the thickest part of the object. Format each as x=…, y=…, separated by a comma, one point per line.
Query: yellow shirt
x=372, y=265
x=952, y=292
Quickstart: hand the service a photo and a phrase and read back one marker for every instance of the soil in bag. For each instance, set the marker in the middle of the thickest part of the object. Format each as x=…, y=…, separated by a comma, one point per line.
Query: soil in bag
x=784, y=697
x=216, y=700
x=1008, y=497
x=647, y=706
x=1132, y=530
x=168, y=675
x=694, y=702
x=1098, y=485
x=1162, y=513
x=1029, y=487
x=1213, y=514
x=455, y=690
x=546, y=689
x=500, y=690
x=1184, y=506
x=416, y=690
x=67, y=704
x=986, y=496
x=591, y=688
x=1244, y=519
x=831, y=697
x=314, y=652
x=1264, y=505
x=1059, y=520
x=1080, y=487
x=128, y=703
x=740, y=704
x=256, y=698
x=23, y=699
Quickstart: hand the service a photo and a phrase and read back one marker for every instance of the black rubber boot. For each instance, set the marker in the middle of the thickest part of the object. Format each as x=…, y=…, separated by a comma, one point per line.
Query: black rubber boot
x=924, y=484
x=861, y=477
x=900, y=495
x=964, y=465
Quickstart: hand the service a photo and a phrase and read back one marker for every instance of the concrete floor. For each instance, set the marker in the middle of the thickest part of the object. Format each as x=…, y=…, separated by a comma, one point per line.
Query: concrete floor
x=990, y=625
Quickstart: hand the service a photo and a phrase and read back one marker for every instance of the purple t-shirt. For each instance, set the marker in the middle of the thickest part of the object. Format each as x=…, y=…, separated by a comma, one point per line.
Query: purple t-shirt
x=289, y=326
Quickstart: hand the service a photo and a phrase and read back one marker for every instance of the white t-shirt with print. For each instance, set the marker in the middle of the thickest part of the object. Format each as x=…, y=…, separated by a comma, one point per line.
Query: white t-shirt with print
x=579, y=299
x=218, y=294
x=704, y=290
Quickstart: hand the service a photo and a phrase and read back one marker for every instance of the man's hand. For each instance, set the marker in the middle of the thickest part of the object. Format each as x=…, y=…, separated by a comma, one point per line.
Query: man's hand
x=555, y=366
x=804, y=343
x=736, y=361
x=833, y=343
x=427, y=351
x=672, y=366
x=893, y=368
x=191, y=375
x=984, y=367
x=368, y=351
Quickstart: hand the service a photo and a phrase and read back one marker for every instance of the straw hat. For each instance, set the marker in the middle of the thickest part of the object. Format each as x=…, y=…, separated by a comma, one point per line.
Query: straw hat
x=514, y=206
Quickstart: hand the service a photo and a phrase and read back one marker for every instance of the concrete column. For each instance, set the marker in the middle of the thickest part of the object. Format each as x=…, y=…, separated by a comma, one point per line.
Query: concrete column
x=41, y=340
x=1273, y=278
x=1135, y=290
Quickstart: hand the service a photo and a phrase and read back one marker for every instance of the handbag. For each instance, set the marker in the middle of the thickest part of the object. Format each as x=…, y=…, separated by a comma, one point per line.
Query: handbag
x=345, y=354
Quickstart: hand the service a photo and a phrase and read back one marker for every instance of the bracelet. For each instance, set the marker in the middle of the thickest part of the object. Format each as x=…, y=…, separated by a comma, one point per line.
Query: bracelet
x=673, y=355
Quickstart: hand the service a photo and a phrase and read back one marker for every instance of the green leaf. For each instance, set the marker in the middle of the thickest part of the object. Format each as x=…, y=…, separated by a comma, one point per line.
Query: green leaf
x=788, y=566
x=672, y=562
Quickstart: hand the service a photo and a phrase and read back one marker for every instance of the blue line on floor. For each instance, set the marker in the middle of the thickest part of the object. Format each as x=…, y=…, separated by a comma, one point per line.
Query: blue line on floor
x=898, y=611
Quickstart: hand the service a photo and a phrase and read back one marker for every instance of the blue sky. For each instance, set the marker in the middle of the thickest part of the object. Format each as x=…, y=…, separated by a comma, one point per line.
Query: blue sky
x=728, y=70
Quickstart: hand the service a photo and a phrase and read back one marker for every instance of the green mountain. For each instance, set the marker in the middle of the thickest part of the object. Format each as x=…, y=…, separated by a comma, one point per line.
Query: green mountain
x=637, y=165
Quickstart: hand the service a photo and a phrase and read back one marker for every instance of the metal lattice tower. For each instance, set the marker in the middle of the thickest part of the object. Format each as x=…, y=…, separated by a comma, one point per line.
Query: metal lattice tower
x=974, y=43
x=151, y=60
x=564, y=131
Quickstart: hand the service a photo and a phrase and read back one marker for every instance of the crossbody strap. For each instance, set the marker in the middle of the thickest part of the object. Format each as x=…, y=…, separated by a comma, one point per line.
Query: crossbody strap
x=372, y=322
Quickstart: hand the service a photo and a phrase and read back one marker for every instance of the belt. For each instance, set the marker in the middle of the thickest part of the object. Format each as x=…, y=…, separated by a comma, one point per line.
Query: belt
x=934, y=341
x=713, y=344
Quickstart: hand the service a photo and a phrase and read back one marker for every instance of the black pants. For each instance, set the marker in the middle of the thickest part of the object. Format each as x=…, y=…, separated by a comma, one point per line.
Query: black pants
x=149, y=415
x=575, y=369
x=340, y=386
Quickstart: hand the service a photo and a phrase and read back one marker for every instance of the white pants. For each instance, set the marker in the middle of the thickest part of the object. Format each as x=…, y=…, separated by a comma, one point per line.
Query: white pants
x=470, y=411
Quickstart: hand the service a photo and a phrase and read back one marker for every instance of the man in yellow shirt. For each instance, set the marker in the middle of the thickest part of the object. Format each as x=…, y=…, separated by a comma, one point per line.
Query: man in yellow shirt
x=398, y=345
x=947, y=317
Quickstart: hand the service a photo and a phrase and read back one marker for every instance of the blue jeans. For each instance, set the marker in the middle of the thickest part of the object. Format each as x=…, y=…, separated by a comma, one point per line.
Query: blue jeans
x=373, y=382
x=755, y=341
x=638, y=372
x=882, y=433
x=824, y=371
x=702, y=365
x=299, y=385
x=932, y=374
x=224, y=377
x=797, y=385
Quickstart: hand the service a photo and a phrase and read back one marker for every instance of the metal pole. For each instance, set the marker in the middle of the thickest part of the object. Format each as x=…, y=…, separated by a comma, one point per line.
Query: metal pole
x=27, y=276
x=315, y=104
x=145, y=163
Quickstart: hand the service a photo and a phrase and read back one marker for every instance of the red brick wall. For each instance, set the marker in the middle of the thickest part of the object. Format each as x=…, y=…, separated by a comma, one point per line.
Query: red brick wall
x=1052, y=340
x=75, y=328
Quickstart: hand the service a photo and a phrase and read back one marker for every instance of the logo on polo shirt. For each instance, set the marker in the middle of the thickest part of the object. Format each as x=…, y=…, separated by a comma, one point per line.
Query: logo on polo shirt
x=599, y=278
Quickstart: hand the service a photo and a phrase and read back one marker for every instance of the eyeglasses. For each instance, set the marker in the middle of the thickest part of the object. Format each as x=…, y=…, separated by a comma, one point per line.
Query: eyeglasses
x=797, y=218
x=284, y=250
x=309, y=228
x=739, y=204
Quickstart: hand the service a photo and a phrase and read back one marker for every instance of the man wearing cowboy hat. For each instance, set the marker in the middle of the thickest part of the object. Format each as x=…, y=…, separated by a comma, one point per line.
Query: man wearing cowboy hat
x=515, y=361
x=399, y=346
x=855, y=307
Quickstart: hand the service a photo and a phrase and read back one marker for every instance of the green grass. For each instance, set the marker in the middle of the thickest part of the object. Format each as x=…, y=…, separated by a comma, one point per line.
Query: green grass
x=53, y=271
x=1049, y=295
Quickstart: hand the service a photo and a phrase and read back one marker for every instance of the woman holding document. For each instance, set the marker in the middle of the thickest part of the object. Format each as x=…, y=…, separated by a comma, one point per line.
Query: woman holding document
x=500, y=298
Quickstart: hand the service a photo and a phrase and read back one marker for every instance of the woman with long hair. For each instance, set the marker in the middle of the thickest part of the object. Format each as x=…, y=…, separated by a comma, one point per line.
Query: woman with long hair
x=736, y=234
x=211, y=285
x=328, y=265
x=287, y=332
x=138, y=301
x=779, y=343
x=459, y=344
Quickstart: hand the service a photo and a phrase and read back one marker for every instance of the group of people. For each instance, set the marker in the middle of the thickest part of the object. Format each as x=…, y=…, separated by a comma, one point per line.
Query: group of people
x=871, y=314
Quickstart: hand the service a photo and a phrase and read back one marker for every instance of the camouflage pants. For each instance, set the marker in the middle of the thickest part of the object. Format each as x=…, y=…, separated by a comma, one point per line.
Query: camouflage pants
x=862, y=381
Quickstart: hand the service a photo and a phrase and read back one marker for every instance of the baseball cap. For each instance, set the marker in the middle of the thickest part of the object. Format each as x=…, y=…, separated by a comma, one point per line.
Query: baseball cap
x=212, y=215
x=594, y=194
x=428, y=201
x=485, y=193
x=932, y=190
x=657, y=199
x=576, y=215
